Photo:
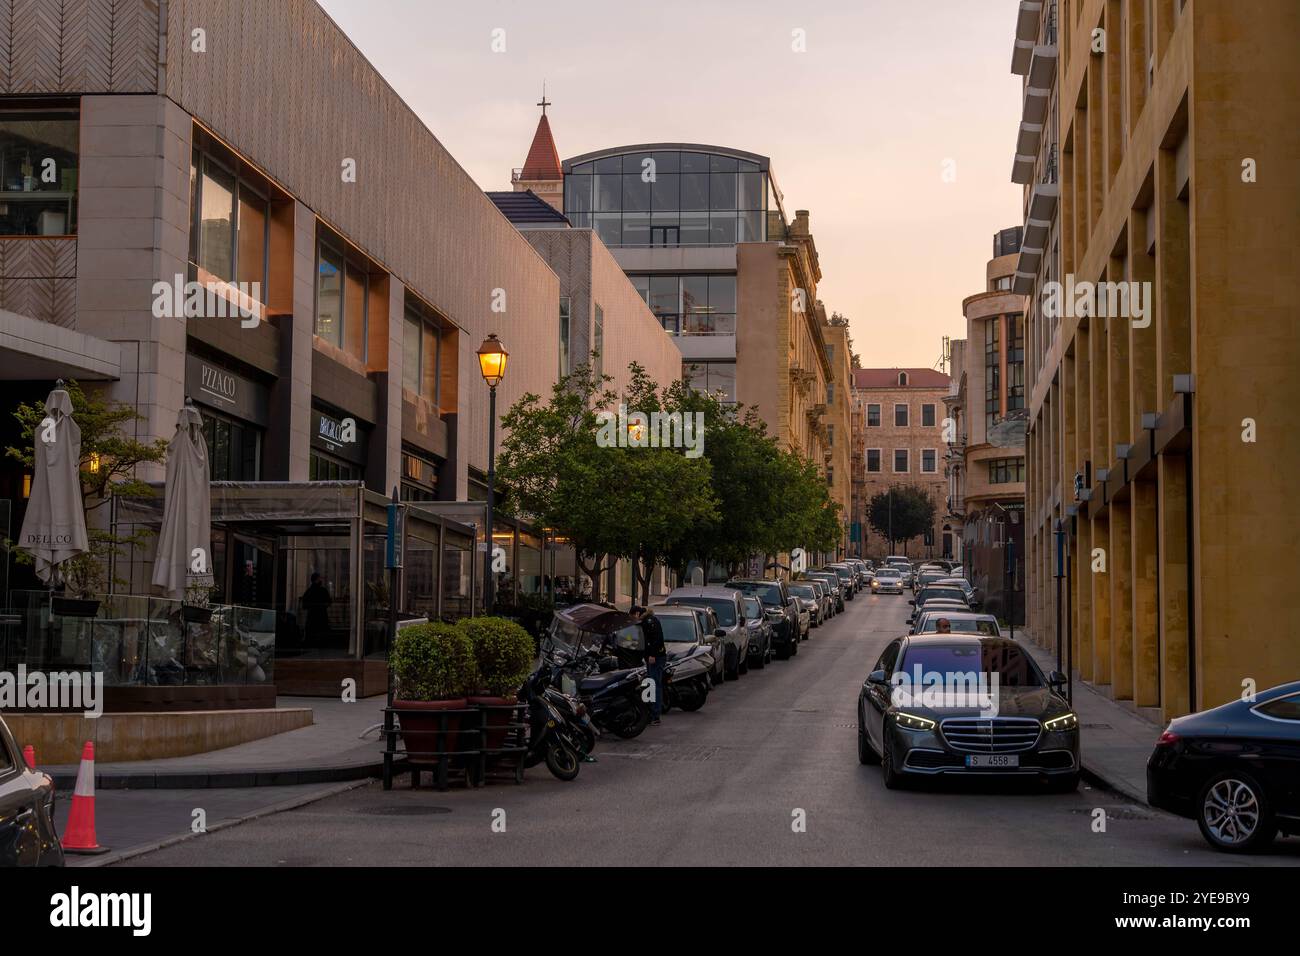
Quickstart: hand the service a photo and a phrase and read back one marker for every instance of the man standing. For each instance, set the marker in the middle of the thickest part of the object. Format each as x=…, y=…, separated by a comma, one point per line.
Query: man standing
x=655, y=656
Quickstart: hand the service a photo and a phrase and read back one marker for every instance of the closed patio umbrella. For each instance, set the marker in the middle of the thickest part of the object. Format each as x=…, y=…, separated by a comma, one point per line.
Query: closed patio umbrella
x=187, y=508
x=54, y=528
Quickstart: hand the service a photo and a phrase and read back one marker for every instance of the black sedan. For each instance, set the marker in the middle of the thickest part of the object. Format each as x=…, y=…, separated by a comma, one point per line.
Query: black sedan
x=1234, y=769
x=27, y=833
x=965, y=704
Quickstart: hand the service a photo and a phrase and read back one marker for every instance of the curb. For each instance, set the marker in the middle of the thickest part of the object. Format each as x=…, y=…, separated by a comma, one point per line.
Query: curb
x=1123, y=790
x=226, y=779
x=141, y=849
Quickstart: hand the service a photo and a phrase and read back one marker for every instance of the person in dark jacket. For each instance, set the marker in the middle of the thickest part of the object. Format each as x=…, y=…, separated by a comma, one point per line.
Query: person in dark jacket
x=656, y=655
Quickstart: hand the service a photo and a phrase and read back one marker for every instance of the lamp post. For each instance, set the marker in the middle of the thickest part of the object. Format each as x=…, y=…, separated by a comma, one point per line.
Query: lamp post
x=492, y=363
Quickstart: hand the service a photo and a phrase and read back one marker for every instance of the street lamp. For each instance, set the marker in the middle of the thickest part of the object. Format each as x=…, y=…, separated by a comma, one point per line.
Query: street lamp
x=492, y=363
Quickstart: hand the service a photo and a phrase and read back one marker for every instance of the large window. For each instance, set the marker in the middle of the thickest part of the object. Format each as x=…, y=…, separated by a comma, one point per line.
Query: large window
x=713, y=377
x=873, y=459
x=1015, y=362
x=566, y=317
x=342, y=301
x=234, y=448
x=598, y=341
x=992, y=373
x=668, y=198
x=927, y=415
x=900, y=416
x=690, y=304
x=421, y=356
x=1006, y=470
x=929, y=460
x=900, y=460
x=229, y=222
x=873, y=416
x=328, y=468
x=38, y=172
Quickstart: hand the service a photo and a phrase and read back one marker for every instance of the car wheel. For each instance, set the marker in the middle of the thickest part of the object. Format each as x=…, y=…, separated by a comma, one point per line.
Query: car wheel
x=1233, y=813
x=783, y=653
x=866, y=753
x=794, y=647
x=892, y=778
x=760, y=662
x=695, y=701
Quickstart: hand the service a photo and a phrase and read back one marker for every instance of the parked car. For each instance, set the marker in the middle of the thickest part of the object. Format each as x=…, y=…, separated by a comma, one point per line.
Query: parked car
x=825, y=602
x=809, y=602
x=904, y=566
x=1234, y=769
x=785, y=619
x=725, y=603
x=888, y=580
x=960, y=621
x=847, y=578
x=971, y=597
x=1033, y=732
x=28, y=835
x=936, y=593
x=926, y=576
x=713, y=635
x=758, y=632
x=832, y=582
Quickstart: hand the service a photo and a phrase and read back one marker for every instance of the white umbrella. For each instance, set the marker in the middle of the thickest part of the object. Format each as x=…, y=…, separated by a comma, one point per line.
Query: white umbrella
x=187, y=509
x=54, y=528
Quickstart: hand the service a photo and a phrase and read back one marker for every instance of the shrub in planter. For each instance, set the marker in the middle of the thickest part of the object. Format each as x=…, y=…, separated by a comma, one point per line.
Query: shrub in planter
x=503, y=653
x=433, y=671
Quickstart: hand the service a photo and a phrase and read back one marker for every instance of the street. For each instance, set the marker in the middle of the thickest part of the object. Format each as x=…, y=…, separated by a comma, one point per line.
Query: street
x=722, y=787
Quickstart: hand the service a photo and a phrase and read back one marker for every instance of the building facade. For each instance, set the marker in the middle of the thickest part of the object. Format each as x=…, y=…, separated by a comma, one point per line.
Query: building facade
x=1143, y=160
x=985, y=458
x=902, y=444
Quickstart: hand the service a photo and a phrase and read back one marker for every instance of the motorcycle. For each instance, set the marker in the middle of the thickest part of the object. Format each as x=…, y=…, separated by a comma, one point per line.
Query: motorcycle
x=612, y=695
x=550, y=737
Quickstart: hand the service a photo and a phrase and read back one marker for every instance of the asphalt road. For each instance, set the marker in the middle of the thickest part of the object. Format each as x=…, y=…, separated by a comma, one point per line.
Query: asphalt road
x=727, y=786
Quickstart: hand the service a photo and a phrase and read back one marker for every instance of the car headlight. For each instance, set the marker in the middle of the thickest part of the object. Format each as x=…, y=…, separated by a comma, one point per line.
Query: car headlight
x=913, y=722
x=1064, y=722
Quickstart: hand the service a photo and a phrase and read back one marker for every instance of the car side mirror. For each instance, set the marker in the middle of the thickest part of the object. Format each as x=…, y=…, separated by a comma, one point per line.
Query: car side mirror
x=913, y=603
x=719, y=632
x=877, y=677
x=1056, y=680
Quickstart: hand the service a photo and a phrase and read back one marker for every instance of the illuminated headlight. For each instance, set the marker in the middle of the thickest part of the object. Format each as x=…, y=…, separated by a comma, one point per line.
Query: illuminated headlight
x=1064, y=722
x=913, y=722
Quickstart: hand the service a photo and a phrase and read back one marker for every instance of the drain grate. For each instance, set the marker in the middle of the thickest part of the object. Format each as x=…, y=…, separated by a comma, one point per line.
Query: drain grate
x=402, y=810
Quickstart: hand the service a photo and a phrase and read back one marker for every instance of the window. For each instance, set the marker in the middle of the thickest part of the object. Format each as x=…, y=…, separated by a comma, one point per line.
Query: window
x=342, y=301
x=929, y=460
x=873, y=416
x=900, y=416
x=229, y=225
x=873, y=459
x=902, y=378
x=234, y=448
x=421, y=356
x=327, y=468
x=900, y=460
x=1015, y=362
x=927, y=415
x=1282, y=708
x=690, y=304
x=1006, y=470
x=992, y=372
x=598, y=342
x=830, y=393
x=38, y=172
x=830, y=436
x=565, y=316
x=717, y=378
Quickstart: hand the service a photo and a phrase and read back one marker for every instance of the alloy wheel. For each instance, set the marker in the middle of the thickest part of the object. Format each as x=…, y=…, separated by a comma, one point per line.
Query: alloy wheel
x=1231, y=811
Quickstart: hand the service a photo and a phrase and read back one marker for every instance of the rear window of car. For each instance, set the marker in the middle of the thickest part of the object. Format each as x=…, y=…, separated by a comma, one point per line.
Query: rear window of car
x=960, y=625
x=1284, y=708
x=803, y=590
x=889, y=573
x=1012, y=665
x=769, y=594
x=724, y=609
x=677, y=627
x=940, y=594
x=753, y=607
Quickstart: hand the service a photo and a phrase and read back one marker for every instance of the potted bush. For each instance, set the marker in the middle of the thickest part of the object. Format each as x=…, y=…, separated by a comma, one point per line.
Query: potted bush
x=433, y=671
x=503, y=655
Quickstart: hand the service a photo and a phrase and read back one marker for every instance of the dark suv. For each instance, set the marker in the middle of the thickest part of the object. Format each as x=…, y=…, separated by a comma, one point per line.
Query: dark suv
x=776, y=598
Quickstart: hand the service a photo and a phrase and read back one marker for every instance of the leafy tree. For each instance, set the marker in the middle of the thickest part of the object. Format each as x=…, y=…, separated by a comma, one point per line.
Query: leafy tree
x=901, y=513
x=109, y=457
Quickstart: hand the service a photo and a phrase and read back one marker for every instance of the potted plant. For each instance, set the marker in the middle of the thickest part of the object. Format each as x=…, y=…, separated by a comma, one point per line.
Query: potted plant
x=433, y=671
x=503, y=655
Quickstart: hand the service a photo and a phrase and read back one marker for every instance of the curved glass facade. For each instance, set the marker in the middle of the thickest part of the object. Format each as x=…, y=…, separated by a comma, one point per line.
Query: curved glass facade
x=669, y=198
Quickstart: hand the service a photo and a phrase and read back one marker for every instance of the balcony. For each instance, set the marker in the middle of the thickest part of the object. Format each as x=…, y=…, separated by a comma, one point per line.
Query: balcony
x=1026, y=34
x=1038, y=225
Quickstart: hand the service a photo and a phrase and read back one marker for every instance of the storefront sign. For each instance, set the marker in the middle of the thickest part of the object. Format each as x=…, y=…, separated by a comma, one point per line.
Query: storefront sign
x=226, y=391
x=344, y=437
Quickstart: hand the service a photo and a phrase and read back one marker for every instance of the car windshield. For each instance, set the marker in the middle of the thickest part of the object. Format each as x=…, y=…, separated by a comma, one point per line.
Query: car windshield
x=803, y=590
x=677, y=628
x=960, y=625
x=724, y=609
x=940, y=594
x=1013, y=667
x=844, y=572
x=889, y=573
x=753, y=608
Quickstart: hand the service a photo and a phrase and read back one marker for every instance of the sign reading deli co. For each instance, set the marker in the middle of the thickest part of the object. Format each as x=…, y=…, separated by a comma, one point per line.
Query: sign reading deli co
x=226, y=391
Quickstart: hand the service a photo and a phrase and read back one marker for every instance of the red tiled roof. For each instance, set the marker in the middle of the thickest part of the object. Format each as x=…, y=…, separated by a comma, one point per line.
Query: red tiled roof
x=543, y=160
x=888, y=378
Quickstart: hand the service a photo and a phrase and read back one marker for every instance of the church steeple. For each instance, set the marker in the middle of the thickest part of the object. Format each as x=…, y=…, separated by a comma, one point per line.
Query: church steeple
x=541, y=170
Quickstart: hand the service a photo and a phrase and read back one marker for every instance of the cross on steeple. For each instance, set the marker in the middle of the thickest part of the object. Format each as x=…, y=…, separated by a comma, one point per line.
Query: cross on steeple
x=545, y=102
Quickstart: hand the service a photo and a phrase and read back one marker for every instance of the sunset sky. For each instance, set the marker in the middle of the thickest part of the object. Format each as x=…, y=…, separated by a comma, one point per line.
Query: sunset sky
x=858, y=127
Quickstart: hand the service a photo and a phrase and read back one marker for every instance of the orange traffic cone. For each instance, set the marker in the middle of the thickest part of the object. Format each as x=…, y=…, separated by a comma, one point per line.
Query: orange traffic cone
x=29, y=757
x=80, y=834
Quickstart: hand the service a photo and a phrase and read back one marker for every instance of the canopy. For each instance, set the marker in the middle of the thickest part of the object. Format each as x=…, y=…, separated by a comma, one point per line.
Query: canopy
x=54, y=528
x=185, y=539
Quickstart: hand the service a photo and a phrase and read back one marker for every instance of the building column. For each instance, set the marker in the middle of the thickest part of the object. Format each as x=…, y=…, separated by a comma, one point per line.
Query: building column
x=1121, y=601
x=1081, y=606
x=1172, y=576
x=296, y=349
x=1100, y=604
x=1145, y=593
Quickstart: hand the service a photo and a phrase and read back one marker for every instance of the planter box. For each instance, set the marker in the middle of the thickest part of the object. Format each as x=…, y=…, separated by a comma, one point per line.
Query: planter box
x=423, y=730
x=494, y=715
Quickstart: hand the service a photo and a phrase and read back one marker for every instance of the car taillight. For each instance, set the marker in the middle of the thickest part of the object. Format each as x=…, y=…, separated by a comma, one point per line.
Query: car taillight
x=1167, y=739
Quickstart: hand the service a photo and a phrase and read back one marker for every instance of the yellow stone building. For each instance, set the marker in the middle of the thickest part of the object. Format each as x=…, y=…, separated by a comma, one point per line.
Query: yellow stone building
x=1160, y=151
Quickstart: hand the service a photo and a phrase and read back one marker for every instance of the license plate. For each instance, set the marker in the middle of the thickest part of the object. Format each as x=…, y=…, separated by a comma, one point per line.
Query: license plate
x=993, y=760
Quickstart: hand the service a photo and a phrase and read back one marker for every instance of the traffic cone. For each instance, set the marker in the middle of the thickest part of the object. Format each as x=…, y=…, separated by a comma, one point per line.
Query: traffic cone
x=29, y=757
x=80, y=834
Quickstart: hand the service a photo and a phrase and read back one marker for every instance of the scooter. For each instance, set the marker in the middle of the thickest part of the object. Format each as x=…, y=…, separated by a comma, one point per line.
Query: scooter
x=550, y=738
x=613, y=696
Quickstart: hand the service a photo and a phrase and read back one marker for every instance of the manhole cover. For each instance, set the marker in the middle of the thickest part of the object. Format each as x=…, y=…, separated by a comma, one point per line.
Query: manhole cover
x=402, y=810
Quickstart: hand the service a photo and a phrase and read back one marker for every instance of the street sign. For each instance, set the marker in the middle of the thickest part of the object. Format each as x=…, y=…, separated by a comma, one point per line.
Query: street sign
x=394, y=544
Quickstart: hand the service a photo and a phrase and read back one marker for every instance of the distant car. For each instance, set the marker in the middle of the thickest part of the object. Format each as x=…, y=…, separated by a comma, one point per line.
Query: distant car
x=848, y=578
x=971, y=597
x=928, y=576
x=1033, y=732
x=960, y=621
x=725, y=603
x=936, y=593
x=758, y=632
x=784, y=615
x=1234, y=769
x=888, y=580
x=832, y=582
x=825, y=602
x=807, y=597
x=28, y=835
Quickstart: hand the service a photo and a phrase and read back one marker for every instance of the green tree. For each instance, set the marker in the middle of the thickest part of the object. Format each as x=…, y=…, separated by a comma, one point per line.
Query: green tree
x=901, y=513
x=109, y=457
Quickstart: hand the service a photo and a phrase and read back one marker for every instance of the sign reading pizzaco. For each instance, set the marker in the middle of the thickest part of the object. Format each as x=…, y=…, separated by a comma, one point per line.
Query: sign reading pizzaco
x=226, y=391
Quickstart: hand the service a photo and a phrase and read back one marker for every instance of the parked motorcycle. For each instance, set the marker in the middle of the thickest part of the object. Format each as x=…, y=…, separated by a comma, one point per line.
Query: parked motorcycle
x=550, y=737
x=613, y=695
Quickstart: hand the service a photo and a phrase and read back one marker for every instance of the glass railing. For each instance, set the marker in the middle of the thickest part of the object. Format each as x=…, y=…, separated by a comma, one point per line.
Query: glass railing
x=138, y=640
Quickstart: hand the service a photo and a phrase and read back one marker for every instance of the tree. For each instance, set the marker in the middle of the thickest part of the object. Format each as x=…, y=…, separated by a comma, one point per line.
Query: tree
x=901, y=513
x=108, y=461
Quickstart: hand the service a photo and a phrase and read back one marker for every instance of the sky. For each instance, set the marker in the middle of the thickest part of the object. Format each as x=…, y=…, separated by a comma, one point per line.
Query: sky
x=895, y=126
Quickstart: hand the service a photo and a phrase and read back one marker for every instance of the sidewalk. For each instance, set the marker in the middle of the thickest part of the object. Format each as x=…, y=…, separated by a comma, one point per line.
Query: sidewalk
x=1115, y=742
x=331, y=750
